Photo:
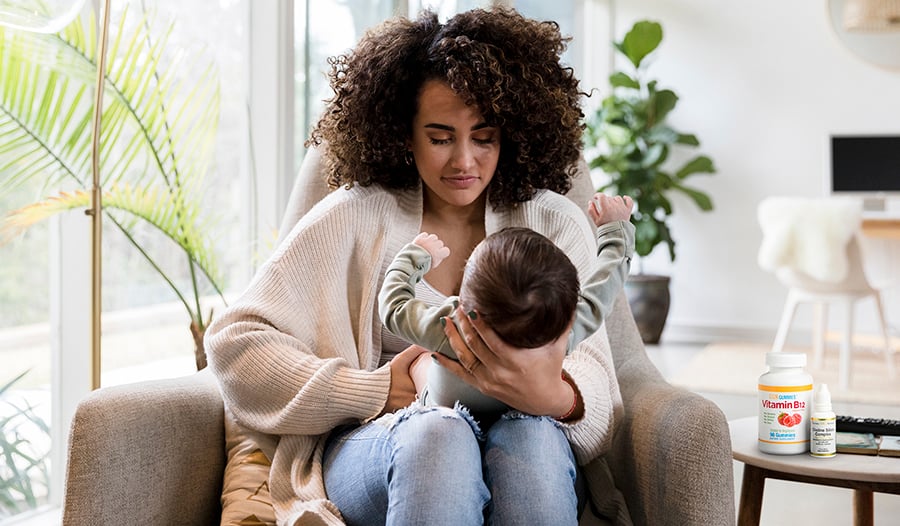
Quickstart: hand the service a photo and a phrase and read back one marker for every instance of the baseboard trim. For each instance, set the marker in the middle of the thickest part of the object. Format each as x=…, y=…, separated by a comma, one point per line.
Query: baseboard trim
x=687, y=333
x=682, y=333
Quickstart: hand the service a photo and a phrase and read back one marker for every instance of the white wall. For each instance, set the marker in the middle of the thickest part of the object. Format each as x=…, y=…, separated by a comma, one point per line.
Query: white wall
x=762, y=84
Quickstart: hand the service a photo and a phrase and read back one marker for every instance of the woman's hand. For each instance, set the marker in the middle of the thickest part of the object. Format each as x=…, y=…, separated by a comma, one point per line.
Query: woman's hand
x=529, y=380
x=403, y=389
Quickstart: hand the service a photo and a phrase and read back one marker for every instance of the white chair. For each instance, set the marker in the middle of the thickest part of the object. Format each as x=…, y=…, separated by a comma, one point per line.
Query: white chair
x=811, y=245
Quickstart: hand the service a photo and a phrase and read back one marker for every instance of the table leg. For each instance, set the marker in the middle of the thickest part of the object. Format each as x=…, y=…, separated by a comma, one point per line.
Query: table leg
x=752, y=486
x=863, y=508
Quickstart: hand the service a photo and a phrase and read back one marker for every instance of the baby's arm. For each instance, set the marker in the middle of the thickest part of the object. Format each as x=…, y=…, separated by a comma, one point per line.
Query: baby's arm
x=400, y=311
x=615, y=250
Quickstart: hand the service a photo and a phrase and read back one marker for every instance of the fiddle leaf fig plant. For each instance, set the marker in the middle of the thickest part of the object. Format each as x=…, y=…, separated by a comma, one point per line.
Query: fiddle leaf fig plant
x=632, y=138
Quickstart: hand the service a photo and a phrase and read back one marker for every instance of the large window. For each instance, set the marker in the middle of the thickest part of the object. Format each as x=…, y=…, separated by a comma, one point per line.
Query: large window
x=44, y=296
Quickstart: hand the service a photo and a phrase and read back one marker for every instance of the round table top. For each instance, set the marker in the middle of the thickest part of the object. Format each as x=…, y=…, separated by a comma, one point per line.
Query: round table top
x=847, y=466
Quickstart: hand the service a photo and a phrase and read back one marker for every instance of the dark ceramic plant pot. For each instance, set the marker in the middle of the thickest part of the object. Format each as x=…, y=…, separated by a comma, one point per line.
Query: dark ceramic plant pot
x=648, y=296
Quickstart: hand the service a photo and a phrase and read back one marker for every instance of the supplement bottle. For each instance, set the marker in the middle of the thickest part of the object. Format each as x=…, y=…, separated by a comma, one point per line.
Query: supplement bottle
x=822, y=421
x=785, y=393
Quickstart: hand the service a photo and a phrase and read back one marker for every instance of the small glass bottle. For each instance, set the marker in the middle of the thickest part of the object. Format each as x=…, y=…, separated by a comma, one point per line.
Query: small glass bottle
x=822, y=422
x=784, y=404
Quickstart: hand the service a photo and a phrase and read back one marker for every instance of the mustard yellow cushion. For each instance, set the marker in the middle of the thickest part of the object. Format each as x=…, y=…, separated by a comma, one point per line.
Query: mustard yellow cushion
x=245, y=488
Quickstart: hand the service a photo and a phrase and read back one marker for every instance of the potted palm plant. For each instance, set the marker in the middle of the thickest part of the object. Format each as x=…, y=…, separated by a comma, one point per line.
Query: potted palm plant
x=158, y=131
x=631, y=141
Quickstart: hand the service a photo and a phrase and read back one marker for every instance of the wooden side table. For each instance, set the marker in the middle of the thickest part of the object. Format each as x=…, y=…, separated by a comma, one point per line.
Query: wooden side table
x=864, y=474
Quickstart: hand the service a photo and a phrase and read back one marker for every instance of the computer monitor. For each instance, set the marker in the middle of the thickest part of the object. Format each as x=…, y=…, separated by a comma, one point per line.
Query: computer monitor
x=867, y=166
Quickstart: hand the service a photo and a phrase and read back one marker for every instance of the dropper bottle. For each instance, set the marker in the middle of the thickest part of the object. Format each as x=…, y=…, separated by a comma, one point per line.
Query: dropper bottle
x=822, y=435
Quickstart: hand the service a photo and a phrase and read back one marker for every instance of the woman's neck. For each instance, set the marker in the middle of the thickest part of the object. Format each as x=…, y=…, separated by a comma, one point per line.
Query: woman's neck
x=460, y=228
x=453, y=216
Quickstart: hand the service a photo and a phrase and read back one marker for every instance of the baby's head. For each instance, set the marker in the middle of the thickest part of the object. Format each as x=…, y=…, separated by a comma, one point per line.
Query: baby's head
x=522, y=285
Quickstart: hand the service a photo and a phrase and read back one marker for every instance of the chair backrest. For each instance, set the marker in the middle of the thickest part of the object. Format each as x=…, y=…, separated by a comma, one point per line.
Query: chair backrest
x=310, y=187
x=854, y=281
x=812, y=243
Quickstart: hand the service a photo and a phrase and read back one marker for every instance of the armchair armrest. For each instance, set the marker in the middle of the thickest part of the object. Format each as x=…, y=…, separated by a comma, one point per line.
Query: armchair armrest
x=147, y=453
x=673, y=459
x=671, y=453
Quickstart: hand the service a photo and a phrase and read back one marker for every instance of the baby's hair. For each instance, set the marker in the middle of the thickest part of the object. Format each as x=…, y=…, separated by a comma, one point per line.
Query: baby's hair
x=522, y=285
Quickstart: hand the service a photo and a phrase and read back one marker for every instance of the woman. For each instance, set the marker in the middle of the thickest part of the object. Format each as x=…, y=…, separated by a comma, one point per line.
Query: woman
x=459, y=129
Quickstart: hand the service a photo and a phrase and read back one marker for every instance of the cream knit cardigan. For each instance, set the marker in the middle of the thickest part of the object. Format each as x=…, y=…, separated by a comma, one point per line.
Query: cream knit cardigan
x=296, y=355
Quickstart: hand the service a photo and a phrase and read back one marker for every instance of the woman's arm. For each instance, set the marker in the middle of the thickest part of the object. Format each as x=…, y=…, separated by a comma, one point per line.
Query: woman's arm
x=298, y=352
x=531, y=380
x=276, y=375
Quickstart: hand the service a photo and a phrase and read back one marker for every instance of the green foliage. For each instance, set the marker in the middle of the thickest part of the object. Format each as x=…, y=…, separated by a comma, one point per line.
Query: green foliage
x=24, y=473
x=160, y=116
x=630, y=132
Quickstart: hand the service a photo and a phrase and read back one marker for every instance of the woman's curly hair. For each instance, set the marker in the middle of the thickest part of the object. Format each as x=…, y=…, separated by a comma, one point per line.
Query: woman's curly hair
x=506, y=65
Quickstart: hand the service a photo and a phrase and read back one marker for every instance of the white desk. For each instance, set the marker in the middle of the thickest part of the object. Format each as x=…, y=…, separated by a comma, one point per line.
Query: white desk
x=864, y=474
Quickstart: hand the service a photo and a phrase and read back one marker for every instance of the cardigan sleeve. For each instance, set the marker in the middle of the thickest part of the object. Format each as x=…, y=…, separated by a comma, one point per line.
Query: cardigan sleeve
x=270, y=376
x=297, y=353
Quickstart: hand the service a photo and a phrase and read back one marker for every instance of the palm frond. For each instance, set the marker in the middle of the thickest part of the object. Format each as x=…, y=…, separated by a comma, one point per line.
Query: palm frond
x=17, y=221
x=43, y=115
x=181, y=224
x=157, y=129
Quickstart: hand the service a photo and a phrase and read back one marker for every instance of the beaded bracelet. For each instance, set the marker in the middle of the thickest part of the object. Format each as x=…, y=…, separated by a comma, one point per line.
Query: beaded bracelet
x=571, y=410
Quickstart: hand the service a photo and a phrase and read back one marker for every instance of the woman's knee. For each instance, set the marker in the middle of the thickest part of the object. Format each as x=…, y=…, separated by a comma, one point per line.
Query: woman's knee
x=439, y=429
x=437, y=463
x=530, y=436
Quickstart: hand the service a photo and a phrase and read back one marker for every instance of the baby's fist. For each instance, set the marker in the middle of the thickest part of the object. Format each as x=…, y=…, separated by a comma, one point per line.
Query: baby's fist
x=605, y=209
x=434, y=246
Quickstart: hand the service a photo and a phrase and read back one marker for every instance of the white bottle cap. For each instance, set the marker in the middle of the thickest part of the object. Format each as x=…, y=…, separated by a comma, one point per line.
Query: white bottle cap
x=786, y=359
x=822, y=401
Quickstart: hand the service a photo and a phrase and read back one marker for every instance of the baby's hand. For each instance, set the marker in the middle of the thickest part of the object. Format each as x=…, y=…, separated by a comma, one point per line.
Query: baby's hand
x=605, y=209
x=434, y=246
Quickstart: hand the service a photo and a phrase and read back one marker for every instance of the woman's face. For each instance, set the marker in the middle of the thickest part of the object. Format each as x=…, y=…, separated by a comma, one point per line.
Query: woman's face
x=455, y=150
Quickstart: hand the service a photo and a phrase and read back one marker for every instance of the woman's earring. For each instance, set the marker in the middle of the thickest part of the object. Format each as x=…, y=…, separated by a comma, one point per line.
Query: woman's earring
x=408, y=158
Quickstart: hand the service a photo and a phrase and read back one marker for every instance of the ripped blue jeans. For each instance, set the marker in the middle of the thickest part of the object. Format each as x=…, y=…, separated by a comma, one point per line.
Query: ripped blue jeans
x=434, y=466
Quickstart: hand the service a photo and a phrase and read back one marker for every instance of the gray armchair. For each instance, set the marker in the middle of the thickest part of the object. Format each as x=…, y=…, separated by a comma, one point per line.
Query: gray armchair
x=154, y=452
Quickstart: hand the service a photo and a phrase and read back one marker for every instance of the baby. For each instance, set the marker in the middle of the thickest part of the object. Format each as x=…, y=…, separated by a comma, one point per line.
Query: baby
x=521, y=284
